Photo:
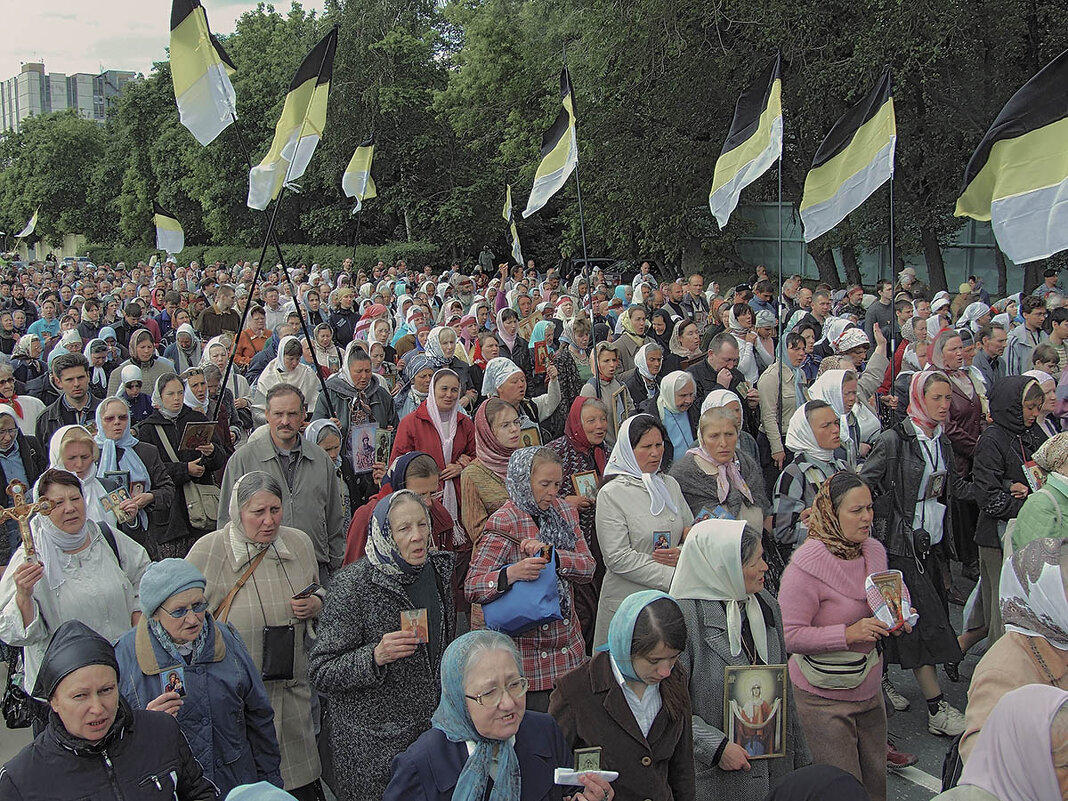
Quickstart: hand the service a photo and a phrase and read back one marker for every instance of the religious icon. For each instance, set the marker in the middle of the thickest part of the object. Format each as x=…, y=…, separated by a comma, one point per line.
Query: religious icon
x=415, y=621
x=587, y=759
x=541, y=358
x=888, y=601
x=530, y=437
x=585, y=484
x=661, y=540
x=195, y=435
x=362, y=439
x=383, y=444
x=754, y=708
x=173, y=681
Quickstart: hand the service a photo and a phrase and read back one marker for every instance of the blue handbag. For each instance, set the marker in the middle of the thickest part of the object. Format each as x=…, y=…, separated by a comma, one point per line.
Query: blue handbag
x=526, y=604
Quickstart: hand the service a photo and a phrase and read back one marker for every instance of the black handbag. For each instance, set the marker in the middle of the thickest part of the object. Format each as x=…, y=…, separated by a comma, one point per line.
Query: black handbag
x=20, y=710
x=278, y=645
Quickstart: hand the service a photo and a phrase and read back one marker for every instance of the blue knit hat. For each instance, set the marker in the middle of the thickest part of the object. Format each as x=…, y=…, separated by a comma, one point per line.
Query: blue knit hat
x=166, y=578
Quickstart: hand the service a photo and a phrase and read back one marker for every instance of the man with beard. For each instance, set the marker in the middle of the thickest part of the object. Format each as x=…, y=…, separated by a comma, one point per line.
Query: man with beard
x=463, y=289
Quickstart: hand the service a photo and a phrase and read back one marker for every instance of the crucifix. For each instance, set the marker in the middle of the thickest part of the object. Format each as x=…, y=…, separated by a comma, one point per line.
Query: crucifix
x=21, y=512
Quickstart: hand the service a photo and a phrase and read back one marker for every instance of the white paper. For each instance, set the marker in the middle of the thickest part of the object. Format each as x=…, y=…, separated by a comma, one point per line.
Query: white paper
x=570, y=778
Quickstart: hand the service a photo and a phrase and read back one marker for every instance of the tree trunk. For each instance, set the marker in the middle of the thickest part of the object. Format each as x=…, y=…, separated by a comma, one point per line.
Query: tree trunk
x=1032, y=276
x=407, y=224
x=932, y=254
x=1003, y=272
x=827, y=268
x=849, y=263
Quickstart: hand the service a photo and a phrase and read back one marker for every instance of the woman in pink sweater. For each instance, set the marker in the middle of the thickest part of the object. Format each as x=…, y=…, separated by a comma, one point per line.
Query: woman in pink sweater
x=831, y=634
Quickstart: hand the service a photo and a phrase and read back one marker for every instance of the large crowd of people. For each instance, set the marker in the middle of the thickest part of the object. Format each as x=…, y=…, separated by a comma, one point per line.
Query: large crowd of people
x=405, y=533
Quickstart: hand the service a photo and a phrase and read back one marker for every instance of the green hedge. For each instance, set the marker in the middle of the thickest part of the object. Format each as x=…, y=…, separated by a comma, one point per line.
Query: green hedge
x=416, y=254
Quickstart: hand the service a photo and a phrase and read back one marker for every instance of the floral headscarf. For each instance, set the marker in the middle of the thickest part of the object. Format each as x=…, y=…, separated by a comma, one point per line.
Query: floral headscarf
x=553, y=529
x=434, y=350
x=675, y=344
x=497, y=372
x=1032, y=591
x=382, y=550
x=823, y=525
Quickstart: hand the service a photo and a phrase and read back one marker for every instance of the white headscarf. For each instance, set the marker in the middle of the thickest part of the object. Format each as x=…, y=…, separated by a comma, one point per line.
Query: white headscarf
x=92, y=490
x=671, y=384
x=801, y=439
x=710, y=569
x=496, y=373
x=828, y=388
x=718, y=398
x=641, y=359
x=623, y=463
x=971, y=313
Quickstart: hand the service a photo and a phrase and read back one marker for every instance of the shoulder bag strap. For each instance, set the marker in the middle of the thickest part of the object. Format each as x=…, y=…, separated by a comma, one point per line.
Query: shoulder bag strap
x=223, y=609
x=166, y=443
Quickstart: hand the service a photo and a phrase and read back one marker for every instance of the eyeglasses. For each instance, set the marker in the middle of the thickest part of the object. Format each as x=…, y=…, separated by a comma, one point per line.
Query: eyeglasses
x=491, y=698
x=197, y=609
x=8, y=432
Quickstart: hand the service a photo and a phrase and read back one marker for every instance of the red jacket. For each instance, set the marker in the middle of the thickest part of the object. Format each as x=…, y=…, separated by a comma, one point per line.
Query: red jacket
x=417, y=433
x=356, y=540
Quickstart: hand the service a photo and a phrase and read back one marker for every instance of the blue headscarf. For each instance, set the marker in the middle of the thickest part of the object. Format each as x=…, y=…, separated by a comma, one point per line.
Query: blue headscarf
x=414, y=364
x=397, y=471
x=452, y=718
x=621, y=629
x=621, y=293
x=130, y=461
x=382, y=550
x=541, y=330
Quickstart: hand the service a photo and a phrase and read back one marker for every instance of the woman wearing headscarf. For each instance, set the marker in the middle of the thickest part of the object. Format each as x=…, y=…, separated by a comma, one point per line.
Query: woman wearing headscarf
x=381, y=676
x=73, y=449
x=70, y=341
x=831, y=633
x=482, y=488
x=512, y=344
x=510, y=551
x=95, y=745
x=838, y=389
x=1020, y=754
x=441, y=352
x=77, y=574
x=1001, y=481
x=642, y=517
x=684, y=346
x=660, y=328
x=484, y=744
x=285, y=368
x=222, y=707
x=27, y=358
x=506, y=380
x=264, y=610
x=974, y=316
x=729, y=399
x=632, y=335
x=910, y=469
x=142, y=355
x=674, y=406
x=414, y=384
x=968, y=409
x=731, y=619
x=437, y=427
x=328, y=436
x=187, y=350
x=1048, y=422
x=96, y=354
x=813, y=437
x=1045, y=513
x=565, y=374
x=1034, y=648
x=643, y=382
x=218, y=352
x=782, y=379
x=151, y=490
x=636, y=686
x=575, y=341
x=164, y=430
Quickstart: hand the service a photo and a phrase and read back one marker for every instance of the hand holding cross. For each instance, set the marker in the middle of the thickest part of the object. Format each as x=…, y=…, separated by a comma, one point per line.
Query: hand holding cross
x=20, y=511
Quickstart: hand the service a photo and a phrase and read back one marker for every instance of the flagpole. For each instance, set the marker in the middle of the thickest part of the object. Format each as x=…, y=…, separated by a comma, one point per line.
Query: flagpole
x=356, y=236
x=782, y=345
x=893, y=304
x=585, y=254
x=271, y=238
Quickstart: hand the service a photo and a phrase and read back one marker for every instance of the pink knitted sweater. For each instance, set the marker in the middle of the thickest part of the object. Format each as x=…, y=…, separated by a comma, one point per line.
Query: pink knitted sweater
x=820, y=596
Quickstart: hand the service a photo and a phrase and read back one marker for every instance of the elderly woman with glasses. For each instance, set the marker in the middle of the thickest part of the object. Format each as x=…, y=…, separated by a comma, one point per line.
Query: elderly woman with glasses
x=178, y=660
x=484, y=744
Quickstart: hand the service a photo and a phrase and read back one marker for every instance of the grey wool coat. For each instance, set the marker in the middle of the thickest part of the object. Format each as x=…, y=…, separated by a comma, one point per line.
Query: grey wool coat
x=375, y=712
x=707, y=654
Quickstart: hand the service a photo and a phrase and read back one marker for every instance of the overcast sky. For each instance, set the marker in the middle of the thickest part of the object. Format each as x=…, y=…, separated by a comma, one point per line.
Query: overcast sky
x=78, y=36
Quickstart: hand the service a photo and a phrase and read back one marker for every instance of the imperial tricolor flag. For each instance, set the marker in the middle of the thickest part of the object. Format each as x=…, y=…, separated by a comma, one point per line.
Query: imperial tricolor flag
x=169, y=234
x=200, y=72
x=1018, y=176
x=29, y=225
x=517, y=251
x=855, y=159
x=753, y=144
x=559, y=151
x=357, y=181
x=299, y=128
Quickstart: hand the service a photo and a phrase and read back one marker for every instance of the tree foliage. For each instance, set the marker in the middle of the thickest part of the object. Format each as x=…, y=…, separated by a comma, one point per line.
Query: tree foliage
x=458, y=95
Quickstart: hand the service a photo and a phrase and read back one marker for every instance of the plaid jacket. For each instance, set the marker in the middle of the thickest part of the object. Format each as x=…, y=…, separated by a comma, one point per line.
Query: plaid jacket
x=795, y=490
x=553, y=649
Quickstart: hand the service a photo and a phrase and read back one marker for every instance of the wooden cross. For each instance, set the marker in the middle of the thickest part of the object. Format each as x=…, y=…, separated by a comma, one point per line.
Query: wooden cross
x=21, y=512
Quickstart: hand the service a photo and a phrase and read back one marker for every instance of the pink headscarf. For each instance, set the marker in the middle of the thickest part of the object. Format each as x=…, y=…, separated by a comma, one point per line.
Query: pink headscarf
x=918, y=404
x=1013, y=756
x=445, y=425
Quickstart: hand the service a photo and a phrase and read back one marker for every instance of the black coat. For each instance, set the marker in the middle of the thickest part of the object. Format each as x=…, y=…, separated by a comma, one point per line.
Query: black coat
x=343, y=322
x=56, y=415
x=639, y=393
x=139, y=760
x=173, y=523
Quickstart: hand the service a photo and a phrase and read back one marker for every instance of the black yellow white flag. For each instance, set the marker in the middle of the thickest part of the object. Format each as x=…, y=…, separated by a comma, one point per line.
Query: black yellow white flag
x=517, y=251
x=200, y=72
x=169, y=234
x=855, y=159
x=357, y=181
x=559, y=151
x=299, y=128
x=29, y=225
x=753, y=144
x=1018, y=176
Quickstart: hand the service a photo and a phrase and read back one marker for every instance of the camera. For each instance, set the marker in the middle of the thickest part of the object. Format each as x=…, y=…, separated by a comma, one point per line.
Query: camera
x=921, y=542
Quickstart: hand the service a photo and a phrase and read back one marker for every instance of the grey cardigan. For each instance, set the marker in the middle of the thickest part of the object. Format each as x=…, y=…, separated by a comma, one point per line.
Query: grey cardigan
x=707, y=654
